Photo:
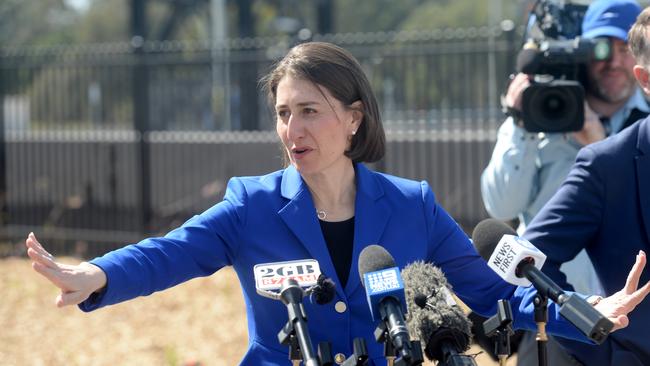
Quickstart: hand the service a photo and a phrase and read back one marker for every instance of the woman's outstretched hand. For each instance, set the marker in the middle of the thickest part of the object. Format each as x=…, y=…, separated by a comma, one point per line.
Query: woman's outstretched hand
x=76, y=282
x=617, y=306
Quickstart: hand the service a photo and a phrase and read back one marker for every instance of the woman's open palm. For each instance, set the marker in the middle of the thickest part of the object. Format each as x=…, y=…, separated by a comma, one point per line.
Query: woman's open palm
x=76, y=282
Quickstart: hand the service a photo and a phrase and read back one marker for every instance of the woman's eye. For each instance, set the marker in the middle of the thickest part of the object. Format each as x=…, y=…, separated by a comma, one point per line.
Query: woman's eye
x=282, y=114
x=309, y=111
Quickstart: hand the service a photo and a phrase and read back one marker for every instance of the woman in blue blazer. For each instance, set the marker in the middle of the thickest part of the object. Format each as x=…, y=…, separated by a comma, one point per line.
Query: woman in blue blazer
x=325, y=205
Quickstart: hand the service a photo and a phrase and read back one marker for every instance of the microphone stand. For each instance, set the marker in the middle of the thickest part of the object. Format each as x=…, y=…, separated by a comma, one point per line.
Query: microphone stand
x=295, y=332
x=359, y=356
x=499, y=326
x=296, y=335
x=541, y=318
x=573, y=308
x=411, y=353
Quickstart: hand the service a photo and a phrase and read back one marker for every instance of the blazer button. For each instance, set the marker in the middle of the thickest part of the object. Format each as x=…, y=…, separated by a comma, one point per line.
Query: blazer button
x=340, y=307
x=339, y=358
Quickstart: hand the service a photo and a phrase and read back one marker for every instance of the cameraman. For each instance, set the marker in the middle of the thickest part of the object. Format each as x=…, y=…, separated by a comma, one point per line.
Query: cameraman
x=526, y=168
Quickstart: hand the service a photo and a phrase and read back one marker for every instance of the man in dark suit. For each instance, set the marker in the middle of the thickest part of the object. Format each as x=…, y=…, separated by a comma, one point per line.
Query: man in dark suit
x=604, y=207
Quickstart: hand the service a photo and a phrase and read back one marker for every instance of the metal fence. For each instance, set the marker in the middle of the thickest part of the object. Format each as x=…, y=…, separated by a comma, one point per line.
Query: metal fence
x=102, y=144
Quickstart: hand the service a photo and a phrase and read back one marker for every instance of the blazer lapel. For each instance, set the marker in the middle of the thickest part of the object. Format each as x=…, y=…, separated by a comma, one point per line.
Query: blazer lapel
x=371, y=216
x=299, y=214
x=643, y=173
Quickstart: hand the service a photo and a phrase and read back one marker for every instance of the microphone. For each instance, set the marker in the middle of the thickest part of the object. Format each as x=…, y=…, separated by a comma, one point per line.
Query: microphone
x=518, y=262
x=529, y=60
x=544, y=57
x=435, y=317
x=286, y=281
x=323, y=291
x=385, y=294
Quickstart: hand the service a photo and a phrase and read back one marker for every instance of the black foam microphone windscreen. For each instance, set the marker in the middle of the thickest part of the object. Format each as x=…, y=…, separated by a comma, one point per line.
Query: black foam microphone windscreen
x=440, y=324
x=487, y=234
x=324, y=290
x=528, y=61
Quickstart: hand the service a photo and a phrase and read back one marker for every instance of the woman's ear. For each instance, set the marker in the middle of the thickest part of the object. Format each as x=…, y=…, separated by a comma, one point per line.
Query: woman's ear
x=642, y=77
x=357, y=114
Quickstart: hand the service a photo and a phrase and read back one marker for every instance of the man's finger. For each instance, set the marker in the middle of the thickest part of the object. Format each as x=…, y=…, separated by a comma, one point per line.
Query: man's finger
x=643, y=291
x=620, y=322
x=633, y=277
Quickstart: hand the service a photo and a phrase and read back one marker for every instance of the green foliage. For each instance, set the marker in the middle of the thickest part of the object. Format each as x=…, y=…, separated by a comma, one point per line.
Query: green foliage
x=447, y=14
x=365, y=16
x=36, y=22
x=46, y=22
x=105, y=21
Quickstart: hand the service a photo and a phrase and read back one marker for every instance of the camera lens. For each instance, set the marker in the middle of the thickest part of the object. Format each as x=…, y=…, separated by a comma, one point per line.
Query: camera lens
x=557, y=106
x=553, y=106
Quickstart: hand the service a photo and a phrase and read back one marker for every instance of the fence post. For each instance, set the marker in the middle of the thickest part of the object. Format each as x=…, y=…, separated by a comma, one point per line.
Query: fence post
x=510, y=29
x=248, y=112
x=141, y=109
x=3, y=158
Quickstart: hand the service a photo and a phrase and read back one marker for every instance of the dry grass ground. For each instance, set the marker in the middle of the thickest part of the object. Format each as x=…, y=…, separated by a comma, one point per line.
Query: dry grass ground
x=202, y=320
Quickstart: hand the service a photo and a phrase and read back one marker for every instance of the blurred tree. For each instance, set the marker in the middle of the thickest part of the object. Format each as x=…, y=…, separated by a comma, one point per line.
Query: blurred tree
x=372, y=16
x=387, y=15
x=56, y=21
x=447, y=14
x=36, y=22
x=95, y=26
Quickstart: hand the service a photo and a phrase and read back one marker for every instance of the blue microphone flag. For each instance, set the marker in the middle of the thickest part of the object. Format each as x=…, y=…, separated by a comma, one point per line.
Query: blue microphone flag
x=382, y=284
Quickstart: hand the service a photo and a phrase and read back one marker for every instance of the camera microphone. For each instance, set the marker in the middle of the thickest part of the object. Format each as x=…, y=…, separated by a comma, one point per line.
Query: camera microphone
x=529, y=59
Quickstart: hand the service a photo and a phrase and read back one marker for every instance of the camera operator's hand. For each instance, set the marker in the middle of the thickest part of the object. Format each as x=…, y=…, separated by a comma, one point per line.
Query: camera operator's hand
x=516, y=90
x=592, y=130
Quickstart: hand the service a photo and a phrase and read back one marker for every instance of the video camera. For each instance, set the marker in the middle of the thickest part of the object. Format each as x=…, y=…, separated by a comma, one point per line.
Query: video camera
x=556, y=56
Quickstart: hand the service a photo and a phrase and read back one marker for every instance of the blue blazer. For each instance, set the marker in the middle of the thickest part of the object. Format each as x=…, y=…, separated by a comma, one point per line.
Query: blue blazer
x=272, y=218
x=604, y=207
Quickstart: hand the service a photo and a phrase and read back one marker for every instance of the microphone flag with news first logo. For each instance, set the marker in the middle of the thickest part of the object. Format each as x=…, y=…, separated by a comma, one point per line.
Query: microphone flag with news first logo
x=509, y=253
x=270, y=276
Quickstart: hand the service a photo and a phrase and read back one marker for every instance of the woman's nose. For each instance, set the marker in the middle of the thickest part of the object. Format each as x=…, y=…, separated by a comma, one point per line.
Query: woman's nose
x=295, y=128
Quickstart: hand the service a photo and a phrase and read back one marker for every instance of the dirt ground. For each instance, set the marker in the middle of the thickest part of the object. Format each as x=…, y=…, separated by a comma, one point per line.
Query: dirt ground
x=201, y=322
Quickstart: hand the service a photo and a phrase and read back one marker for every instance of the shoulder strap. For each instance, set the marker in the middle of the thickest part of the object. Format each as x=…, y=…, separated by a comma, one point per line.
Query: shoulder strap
x=634, y=116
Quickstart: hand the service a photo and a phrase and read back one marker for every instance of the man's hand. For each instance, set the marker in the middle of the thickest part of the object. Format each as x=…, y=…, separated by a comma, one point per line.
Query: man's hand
x=592, y=130
x=76, y=282
x=516, y=90
x=617, y=306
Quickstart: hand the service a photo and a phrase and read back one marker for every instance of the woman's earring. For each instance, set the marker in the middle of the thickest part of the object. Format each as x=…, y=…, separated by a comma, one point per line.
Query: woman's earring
x=354, y=132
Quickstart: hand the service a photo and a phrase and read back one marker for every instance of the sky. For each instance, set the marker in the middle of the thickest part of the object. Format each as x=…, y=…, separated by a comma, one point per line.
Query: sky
x=80, y=5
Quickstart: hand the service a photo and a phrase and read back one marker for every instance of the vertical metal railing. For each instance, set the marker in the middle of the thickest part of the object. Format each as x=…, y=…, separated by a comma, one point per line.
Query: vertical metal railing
x=86, y=122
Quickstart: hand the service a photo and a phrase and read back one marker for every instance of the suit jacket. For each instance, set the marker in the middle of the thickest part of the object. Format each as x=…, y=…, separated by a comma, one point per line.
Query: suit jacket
x=272, y=218
x=604, y=207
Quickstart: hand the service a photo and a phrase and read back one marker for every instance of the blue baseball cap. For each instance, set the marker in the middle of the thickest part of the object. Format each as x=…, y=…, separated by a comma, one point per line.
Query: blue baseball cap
x=610, y=18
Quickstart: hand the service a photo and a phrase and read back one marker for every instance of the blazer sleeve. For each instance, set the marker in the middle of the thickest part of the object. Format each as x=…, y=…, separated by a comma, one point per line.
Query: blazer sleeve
x=478, y=286
x=571, y=219
x=201, y=246
x=567, y=224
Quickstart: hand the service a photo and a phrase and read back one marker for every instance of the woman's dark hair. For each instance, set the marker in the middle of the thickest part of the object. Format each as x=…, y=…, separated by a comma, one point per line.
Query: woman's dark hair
x=334, y=68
